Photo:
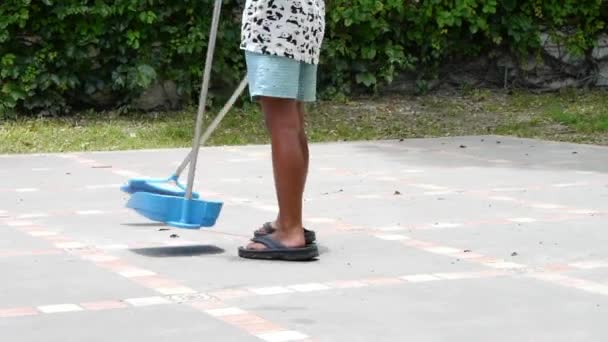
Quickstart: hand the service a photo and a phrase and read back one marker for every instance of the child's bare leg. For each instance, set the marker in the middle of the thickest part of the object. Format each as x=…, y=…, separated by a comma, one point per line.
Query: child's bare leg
x=304, y=147
x=290, y=164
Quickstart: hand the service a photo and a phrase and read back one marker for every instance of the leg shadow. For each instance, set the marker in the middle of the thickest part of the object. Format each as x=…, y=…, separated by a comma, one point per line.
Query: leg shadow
x=178, y=251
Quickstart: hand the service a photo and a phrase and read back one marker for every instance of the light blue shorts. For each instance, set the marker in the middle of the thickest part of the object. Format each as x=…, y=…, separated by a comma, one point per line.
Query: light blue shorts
x=282, y=77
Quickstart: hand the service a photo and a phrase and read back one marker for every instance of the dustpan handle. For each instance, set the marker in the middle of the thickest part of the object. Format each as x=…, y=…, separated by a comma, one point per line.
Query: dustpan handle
x=237, y=93
x=203, y=97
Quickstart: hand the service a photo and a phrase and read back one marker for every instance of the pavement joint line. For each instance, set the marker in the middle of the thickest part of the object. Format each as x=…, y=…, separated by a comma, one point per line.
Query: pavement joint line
x=266, y=207
x=21, y=190
x=31, y=252
x=235, y=316
x=89, y=212
x=549, y=275
x=179, y=290
x=523, y=220
x=59, y=308
x=282, y=336
x=104, y=305
x=37, y=233
x=136, y=272
x=225, y=311
x=125, y=173
x=491, y=262
x=391, y=228
x=31, y=216
x=589, y=265
x=381, y=281
x=148, y=301
x=60, y=213
x=391, y=237
x=18, y=312
x=270, y=290
x=504, y=265
x=270, y=331
x=253, y=324
x=570, y=283
x=328, y=220
x=18, y=223
x=569, y=185
x=446, y=225
x=187, y=295
x=309, y=287
x=532, y=204
x=434, y=187
x=102, y=186
x=63, y=244
x=420, y=278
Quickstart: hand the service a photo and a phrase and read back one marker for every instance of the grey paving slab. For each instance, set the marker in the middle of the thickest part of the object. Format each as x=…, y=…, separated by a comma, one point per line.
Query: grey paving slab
x=160, y=323
x=599, y=275
x=13, y=240
x=381, y=209
x=535, y=243
x=344, y=258
x=467, y=310
x=58, y=279
x=399, y=210
x=573, y=196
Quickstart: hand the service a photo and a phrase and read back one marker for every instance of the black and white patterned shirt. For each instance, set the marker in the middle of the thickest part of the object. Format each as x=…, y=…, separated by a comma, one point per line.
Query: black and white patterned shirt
x=288, y=28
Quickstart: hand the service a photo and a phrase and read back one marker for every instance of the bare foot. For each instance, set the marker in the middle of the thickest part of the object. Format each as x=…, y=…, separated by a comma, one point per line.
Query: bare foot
x=265, y=228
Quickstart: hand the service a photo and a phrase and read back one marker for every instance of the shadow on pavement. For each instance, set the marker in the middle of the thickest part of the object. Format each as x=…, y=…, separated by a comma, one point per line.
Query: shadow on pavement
x=178, y=251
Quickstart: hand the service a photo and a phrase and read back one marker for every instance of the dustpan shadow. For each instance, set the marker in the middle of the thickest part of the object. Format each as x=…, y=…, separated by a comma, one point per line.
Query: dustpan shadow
x=178, y=251
x=144, y=224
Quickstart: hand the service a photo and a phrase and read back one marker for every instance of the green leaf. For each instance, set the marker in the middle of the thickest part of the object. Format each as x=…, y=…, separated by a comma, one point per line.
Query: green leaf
x=367, y=78
x=146, y=75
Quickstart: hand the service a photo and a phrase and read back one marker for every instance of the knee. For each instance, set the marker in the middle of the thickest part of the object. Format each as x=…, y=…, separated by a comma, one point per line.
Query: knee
x=282, y=115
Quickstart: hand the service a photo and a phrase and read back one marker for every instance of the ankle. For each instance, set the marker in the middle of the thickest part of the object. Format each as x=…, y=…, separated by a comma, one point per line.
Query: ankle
x=289, y=226
x=292, y=238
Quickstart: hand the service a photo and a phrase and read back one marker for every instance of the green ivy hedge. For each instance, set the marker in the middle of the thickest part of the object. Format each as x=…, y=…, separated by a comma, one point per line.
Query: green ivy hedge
x=62, y=54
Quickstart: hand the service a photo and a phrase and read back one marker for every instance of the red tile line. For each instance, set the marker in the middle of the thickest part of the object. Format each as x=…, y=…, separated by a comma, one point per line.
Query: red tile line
x=502, y=264
x=261, y=206
x=340, y=171
x=254, y=325
x=172, y=289
x=493, y=221
x=24, y=252
x=486, y=195
x=215, y=300
x=486, y=261
x=546, y=274
x=95, y=253
x=213, y=303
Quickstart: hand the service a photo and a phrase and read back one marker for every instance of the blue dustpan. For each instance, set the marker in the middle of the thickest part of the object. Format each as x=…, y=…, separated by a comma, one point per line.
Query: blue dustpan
x=161, y=186
x=178, y=212
x=166, y=200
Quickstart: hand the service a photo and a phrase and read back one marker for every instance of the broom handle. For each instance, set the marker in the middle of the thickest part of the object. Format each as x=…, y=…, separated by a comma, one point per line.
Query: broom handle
x=237, y=93
x=203, y=97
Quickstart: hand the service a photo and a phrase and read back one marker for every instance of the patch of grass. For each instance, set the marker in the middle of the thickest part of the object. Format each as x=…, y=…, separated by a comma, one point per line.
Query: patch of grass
x=109, y=131
x=578, y=116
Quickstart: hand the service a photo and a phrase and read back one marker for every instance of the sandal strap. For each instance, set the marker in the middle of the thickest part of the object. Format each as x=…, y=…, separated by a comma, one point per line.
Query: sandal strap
x=269, y=242
x=266, y=228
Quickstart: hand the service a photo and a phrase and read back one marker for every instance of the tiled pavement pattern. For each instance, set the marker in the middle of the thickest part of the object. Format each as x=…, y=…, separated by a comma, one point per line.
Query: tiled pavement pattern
x=454, y=239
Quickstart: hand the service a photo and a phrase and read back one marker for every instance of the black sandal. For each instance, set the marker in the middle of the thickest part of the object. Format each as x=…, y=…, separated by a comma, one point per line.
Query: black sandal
x=309, y=235
x=277, y=251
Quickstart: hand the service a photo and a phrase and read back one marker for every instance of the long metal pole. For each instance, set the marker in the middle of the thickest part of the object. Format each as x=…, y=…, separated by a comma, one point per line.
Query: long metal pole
x=203, y=97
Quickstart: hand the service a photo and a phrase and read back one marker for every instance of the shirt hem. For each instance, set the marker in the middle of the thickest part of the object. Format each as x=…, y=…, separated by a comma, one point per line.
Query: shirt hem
x=296, y=57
